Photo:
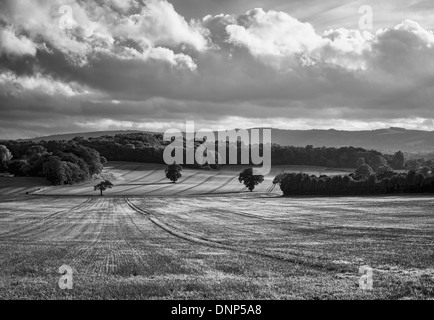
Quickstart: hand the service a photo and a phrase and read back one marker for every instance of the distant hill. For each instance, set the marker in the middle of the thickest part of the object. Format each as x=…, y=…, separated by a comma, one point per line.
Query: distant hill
x=384, y=140
x=70, y=136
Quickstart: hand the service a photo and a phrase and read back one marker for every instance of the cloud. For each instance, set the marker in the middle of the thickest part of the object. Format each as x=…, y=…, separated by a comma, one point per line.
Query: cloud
x=139, y=63
x=158, y=24
x=11, y=84
x=14, y=45
x=283, y=42
x=273, y=35
x=93, y=30
x=425, y=36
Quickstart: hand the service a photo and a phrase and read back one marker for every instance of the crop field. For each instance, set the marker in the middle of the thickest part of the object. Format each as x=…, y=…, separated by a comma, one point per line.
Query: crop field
x=207, y=238
x=134, y=179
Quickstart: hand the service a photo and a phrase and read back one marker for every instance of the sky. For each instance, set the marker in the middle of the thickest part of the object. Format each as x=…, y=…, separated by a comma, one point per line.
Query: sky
x=77, y=66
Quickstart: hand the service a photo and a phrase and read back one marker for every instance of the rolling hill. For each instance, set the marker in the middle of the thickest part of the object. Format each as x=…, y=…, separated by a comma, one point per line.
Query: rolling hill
x=96, y=134
x=385, y=140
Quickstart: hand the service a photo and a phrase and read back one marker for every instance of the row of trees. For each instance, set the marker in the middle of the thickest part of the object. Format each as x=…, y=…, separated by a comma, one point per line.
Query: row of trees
x=149, y=148
x=344, y=157
x=354, y=184
x=59, y=162
x=136, y=147
x=379, y=179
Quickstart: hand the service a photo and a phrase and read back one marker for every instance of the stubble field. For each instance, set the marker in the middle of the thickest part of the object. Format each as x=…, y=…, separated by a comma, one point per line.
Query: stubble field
x=206, y=238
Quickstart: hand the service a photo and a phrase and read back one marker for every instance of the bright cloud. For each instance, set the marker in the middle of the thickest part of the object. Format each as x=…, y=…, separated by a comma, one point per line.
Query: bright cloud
x=158, y=24
x=12, y=84
x=12, y=44
x=273, y=33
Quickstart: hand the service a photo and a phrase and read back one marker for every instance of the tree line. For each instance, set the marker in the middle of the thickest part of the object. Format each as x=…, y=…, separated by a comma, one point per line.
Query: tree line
x=68, y=162
x=356, y=184
x=60, y=162
x=149, y=148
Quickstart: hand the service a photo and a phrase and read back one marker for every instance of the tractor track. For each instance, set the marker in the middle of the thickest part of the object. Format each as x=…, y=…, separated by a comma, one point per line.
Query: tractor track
x=186, y=216
x=313, y=263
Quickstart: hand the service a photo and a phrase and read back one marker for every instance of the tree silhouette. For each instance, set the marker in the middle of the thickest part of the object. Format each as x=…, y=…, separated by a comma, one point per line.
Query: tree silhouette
x=103, y=186
x=173, y=172
x=250, y=180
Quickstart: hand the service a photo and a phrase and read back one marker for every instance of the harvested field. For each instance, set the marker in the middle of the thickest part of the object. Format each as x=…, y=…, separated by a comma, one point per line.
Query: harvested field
x=206, y=239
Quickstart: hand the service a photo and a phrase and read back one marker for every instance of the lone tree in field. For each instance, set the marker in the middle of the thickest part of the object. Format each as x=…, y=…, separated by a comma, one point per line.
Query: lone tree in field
x=173, y=172
x=250, y=180
x=103, y=186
